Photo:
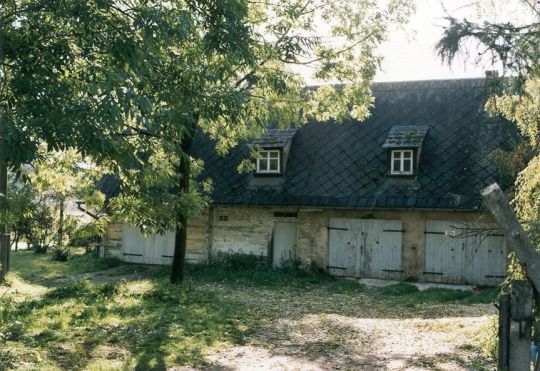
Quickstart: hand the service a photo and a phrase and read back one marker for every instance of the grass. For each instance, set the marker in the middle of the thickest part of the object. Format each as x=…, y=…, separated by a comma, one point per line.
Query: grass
x=33, y=267
x=150, y=324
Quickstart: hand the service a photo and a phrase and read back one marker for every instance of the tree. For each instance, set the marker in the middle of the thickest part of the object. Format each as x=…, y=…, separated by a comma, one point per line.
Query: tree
x=129, y=82
x=515, y=96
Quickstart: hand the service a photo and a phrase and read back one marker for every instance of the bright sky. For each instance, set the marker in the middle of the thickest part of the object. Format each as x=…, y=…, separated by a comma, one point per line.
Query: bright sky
x=410, y=55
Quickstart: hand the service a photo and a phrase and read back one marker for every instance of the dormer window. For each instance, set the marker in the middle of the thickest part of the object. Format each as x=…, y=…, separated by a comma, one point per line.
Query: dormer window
x=269, y=162
x=404, y=145
x=402, y=162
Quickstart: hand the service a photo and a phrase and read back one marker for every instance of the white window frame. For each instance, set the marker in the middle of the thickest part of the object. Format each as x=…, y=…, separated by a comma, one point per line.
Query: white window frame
x=265, y=155
x=401, y=162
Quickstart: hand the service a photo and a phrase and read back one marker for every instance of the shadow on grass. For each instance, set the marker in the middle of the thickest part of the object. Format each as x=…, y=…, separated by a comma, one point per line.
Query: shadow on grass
x=151, y=324
x=161, y=326
x=34, y=267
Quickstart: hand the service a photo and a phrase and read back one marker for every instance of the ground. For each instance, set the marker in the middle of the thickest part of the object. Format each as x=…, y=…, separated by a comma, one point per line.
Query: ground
x=102, y=315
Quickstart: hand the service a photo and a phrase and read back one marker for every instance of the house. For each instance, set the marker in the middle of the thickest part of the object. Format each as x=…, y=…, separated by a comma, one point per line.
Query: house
x=393, y=197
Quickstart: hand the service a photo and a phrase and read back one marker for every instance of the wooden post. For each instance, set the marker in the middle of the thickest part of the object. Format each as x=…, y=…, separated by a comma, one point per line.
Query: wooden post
x=516, y=238
x=536, y=338
x=521, y=326
x=503, y=361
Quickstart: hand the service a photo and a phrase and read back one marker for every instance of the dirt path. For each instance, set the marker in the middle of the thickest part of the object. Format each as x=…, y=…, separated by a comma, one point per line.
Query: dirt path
x=325, y=342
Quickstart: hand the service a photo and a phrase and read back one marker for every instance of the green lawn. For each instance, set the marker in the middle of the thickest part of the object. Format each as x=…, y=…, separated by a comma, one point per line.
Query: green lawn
x=150, y=324
x=34, y=267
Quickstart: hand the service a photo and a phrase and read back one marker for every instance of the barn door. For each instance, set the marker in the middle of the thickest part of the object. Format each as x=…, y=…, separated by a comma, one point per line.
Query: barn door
x=284, y=243
x=365, y=247
x=163, y=249
x=133, y=244
x=485, y=258
x=444, y=252
x=464, y=253
x=382, y=248
x=345, y=257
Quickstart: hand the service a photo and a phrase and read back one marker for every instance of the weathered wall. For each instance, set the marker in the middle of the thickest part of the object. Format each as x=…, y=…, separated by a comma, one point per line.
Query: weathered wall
x=243, y=229
x=249, y=230
x=197, y=238
x=313, y=233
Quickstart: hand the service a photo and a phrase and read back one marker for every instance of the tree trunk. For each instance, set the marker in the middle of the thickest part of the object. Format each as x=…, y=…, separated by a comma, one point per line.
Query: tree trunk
x=61, y=225
x=4, y=236
x=180, y=238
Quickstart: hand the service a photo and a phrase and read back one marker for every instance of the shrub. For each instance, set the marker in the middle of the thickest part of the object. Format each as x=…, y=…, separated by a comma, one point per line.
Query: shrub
x=239, y=261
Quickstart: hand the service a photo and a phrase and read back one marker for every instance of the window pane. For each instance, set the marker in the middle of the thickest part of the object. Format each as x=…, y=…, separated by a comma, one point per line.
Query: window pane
x=407, y=154
x=274, y=164
x=397, y=155
x=264, y=154
x=263, y=164
x=397, y=166
x=407, y=166
x=274, y=154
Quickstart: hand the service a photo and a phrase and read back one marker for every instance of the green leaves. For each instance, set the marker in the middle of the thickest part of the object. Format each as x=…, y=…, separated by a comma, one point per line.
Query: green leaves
x=115, y=79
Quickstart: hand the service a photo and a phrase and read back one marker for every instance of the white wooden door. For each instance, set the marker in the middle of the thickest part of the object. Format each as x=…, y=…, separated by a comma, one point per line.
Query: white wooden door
x=152, y=249
x=163, y=248
x=345, y=258
x=382, y=248
x=284, y=243
x=462, y=253
x=134, y=244
x=365, y=247
x=444, y=252
x=485, y=260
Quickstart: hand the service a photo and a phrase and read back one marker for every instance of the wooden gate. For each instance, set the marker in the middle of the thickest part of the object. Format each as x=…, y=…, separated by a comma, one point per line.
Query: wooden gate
x=365, y=248
x=456, y=253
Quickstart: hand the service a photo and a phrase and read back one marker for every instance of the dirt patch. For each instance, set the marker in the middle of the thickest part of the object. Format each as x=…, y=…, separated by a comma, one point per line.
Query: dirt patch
x=322, y=342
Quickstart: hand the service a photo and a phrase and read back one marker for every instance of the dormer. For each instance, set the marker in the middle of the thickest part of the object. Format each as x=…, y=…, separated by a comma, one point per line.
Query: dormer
x=404, y=146
x=273, y=147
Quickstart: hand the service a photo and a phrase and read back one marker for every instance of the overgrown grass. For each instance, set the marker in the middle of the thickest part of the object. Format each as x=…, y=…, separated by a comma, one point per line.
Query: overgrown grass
x=150, y=324
x=32, y=267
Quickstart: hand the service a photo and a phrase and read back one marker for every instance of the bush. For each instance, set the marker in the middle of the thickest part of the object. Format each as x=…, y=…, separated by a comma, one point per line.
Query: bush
x=87, y=234
x=239, y=261
x=61, y=253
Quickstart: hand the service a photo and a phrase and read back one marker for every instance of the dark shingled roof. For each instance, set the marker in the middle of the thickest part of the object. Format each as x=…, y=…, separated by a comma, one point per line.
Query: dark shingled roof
x=345, y=165
x=274, y=138
x=406, y=136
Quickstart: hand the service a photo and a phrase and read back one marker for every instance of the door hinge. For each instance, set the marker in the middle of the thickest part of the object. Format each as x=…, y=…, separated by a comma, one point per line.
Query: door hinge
x=338, y=229
x=167, y=256
x=394, y=230
x=393, y=270
x=437, y=273
x=129, y=254
x=494, y=276
x=330, y=267
x=426, y=232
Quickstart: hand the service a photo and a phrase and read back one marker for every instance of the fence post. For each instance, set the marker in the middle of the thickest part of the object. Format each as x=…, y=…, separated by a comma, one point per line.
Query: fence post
x=504, y=332
x=521, y=326
x=536, y=338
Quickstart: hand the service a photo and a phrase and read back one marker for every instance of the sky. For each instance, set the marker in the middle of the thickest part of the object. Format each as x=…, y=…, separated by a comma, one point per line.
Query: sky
x=410, y=55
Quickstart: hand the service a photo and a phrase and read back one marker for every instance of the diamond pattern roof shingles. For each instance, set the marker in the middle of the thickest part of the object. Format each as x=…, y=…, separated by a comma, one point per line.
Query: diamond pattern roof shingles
x=345, y=165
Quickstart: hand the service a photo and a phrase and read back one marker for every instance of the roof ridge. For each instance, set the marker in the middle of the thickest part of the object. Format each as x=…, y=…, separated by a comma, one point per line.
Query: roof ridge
x=469, y=82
